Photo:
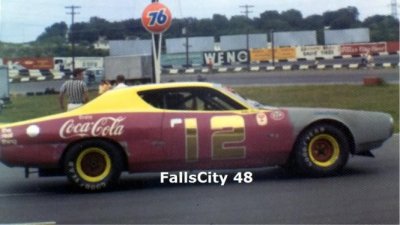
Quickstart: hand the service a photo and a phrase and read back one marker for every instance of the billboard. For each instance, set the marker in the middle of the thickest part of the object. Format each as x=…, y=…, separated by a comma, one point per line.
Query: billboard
x=265, y=54
x=196, y=44
x=31, y=63
x=130, y=47
x=237, y=42
x=358, y=49
x=4, y=89
x=346, y=36
x=295, y=38
x=324, y=51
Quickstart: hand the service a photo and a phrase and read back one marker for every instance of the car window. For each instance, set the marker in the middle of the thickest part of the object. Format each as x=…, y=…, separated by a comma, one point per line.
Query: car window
x=197, y=99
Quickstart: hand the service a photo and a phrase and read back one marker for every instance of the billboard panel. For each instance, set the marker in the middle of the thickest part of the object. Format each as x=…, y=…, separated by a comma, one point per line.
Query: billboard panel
x=4, y=89
x=237, y=42
x=346, y=36
x=233, y=42
x=295, y=38
x=30, y=63
x=358, y=49
x=196, y=44
x=265, y=54
x=392, y=46
x=324, y=51
x=130, y=47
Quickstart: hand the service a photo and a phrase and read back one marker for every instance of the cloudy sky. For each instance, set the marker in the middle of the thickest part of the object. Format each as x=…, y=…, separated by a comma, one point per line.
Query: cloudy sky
x=24, y=20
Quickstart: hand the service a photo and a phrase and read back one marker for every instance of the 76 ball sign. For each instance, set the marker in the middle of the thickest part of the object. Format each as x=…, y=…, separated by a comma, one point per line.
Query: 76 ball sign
x=156, y=18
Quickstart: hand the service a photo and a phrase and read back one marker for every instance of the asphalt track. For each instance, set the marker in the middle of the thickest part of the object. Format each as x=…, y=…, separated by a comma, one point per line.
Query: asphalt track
x=366, y=193
x=297, y=77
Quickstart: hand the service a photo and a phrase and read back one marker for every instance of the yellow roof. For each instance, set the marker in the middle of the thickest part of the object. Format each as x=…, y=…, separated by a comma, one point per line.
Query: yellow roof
x=118, y=101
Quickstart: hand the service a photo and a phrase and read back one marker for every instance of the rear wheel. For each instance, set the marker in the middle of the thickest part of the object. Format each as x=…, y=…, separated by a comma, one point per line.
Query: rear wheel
x=93, y=165
x=321, y=150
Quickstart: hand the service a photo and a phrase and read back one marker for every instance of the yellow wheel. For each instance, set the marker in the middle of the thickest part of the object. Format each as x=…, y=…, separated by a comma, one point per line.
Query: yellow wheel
x=93, y=165
x=322, y=149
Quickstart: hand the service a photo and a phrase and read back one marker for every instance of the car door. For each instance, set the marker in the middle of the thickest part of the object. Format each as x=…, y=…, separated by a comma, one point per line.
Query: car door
x=204, y=129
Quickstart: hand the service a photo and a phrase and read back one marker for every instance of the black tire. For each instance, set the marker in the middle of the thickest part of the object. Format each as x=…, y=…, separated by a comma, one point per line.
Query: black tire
x=321, y=150
x=93, y=165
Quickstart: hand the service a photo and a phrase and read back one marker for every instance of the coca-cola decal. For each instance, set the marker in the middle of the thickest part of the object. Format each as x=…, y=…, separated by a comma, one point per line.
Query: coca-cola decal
x=102, y=127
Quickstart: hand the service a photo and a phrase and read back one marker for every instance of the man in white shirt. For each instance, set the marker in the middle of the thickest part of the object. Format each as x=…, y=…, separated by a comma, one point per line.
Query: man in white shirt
x=120, y=82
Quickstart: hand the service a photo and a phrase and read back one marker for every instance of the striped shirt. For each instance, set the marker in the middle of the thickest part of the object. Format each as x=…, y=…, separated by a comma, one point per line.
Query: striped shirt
x=75, y=90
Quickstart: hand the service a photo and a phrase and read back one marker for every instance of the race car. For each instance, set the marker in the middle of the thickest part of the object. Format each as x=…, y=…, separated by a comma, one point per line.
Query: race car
x=187, y=126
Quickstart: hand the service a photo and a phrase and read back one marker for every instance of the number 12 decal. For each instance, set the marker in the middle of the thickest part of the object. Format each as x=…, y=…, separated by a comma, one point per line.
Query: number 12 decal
x=225, y=140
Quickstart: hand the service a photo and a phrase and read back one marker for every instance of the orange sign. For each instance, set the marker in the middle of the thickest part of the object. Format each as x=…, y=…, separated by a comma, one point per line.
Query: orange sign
x=42, y=63
x=156, y=18
x=265, y=54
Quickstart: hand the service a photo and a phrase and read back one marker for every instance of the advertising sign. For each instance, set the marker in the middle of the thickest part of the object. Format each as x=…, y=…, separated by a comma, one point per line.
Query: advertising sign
x=392, y=46
x=311, y=52
x=265, y=54
x=226, y=57
x=156, y=18
x=358, y=49
x=43, y=63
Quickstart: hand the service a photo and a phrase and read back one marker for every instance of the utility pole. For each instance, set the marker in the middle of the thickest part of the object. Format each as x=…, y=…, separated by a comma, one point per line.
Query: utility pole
x=72, y=13
x=247, y=12
x=393, y=6
x=187, y=46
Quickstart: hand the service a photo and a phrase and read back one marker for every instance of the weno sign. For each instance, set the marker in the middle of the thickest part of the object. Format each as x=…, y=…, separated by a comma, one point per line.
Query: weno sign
x=105, y=126
x=358, y=49
x=42, y=63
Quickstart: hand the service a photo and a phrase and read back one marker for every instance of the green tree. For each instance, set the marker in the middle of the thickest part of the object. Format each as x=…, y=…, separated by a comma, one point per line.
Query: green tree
x=382, y=28
x=342, y=19
x=294, y=18
x=55, y=33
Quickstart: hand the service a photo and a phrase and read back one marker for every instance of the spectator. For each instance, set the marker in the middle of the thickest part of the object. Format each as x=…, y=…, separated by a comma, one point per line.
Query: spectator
x=76, y=91
x=120, y=82
x=104, y=86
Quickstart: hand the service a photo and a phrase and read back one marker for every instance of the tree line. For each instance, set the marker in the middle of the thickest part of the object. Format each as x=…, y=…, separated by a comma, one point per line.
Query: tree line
x=56, y=39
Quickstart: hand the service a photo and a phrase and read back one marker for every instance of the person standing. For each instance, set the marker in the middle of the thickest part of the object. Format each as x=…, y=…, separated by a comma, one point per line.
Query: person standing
x=104, y=86
x=75, y=90
x=120, y=82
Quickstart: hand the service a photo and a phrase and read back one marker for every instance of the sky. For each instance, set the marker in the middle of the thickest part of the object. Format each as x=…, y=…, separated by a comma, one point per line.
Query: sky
x=24, y=20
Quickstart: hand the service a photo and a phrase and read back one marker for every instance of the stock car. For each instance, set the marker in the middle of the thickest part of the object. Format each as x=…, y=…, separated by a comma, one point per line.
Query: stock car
x=187, y=126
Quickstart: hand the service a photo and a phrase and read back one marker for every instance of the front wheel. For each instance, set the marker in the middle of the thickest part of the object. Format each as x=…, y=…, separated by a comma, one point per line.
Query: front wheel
x=321, y=150
x=93, y=165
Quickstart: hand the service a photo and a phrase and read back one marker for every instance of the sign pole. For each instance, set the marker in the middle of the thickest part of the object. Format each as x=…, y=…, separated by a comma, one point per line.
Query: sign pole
x=156, y=18
x=156, y=46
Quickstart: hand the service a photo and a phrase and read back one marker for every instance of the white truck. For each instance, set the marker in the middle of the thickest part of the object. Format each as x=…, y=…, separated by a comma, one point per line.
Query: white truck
x=136, y=69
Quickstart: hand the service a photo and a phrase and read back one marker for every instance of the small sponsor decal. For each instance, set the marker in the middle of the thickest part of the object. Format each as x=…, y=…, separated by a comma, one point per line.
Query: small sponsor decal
x=102, y=127
x=7, y=137
x=262, y=119
x=277, y=115
x=6, y=133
